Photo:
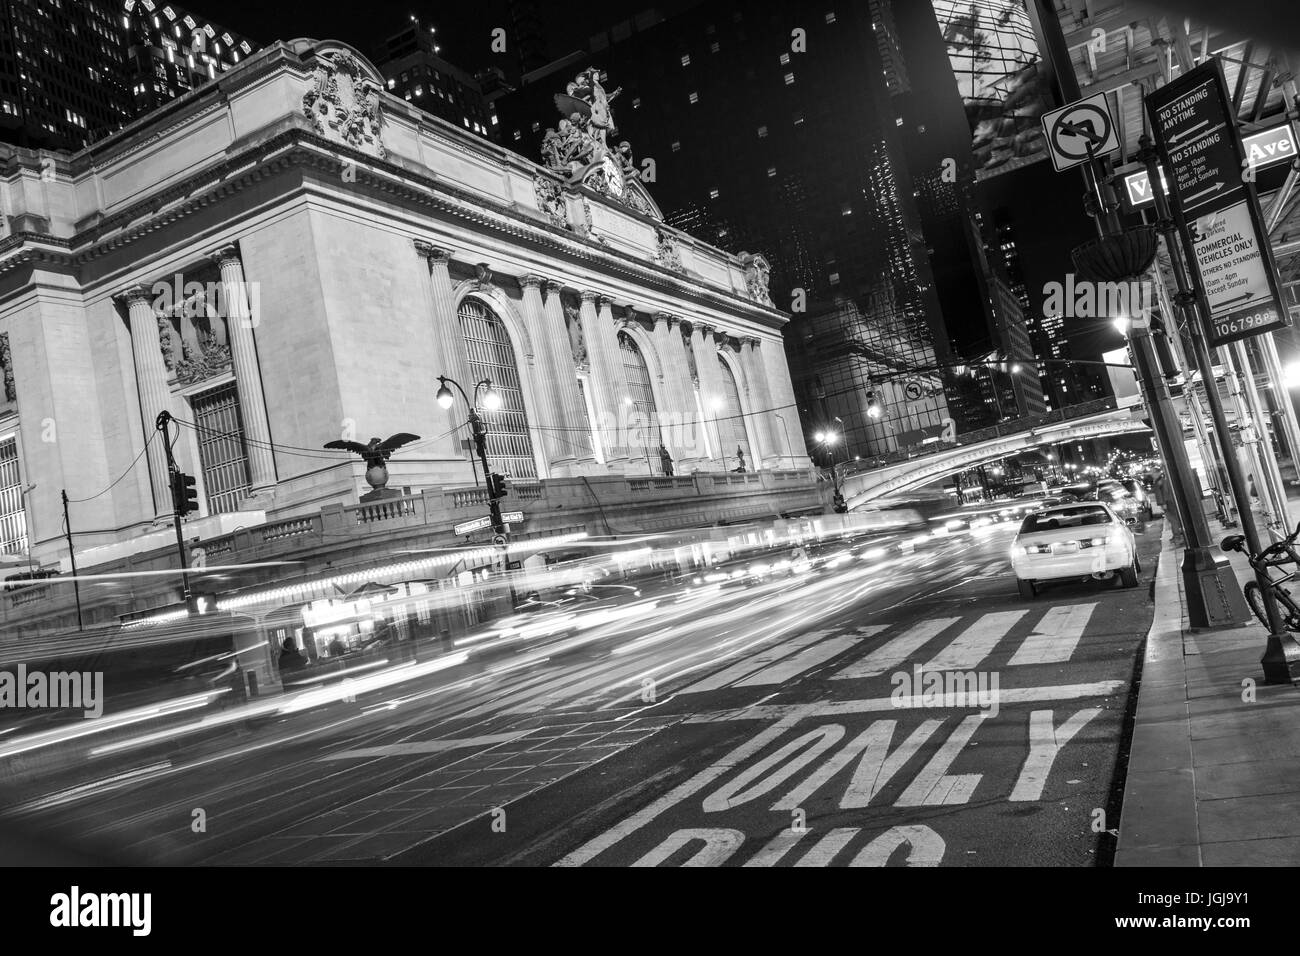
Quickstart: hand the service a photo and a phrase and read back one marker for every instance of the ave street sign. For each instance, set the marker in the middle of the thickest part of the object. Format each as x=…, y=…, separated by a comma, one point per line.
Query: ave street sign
x=468, y=527
x=1214, y=204
x=1263, y=150
x=1068, y=147
x=512, y=517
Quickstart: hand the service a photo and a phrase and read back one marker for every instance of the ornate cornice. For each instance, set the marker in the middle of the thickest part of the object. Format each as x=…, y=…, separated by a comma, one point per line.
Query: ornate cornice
x=298, y=148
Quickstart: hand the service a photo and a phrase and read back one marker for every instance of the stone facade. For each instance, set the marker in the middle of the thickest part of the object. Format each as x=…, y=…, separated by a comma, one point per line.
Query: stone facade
x=293, y=232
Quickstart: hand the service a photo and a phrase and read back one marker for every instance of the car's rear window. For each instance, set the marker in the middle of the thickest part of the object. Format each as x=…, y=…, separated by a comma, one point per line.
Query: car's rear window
x=1065, y=518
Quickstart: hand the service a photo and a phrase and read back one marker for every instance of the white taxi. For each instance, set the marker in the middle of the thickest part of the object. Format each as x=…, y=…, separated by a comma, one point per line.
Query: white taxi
x=1085, y=539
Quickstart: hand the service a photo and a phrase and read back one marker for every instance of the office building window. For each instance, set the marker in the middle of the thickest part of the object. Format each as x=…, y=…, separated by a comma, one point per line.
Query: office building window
x=13, y=516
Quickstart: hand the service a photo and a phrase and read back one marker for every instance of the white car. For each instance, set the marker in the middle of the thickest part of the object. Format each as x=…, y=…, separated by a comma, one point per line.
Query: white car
x=1086, y=539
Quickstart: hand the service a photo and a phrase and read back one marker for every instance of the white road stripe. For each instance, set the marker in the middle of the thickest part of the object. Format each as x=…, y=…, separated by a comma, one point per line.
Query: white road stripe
x=425, y=746
x=743, y=668
x=805, y=660
x=975, y=643
x=838, y=708
x=993, y=567
x=1054, y=637
x=891, y=654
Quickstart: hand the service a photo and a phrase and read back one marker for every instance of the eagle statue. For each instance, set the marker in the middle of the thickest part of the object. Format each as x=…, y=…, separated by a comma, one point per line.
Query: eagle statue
x=375, y=454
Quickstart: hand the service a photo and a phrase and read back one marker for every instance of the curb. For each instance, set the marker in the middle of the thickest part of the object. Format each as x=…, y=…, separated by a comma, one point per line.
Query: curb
x=1158, y=818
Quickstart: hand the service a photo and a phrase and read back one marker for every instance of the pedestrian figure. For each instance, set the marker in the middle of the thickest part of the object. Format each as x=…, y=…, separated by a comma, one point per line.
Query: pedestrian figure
x=290, y=658
x=666, y=460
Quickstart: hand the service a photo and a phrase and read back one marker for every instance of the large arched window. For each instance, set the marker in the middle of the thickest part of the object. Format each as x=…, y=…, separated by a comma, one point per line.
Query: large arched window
x=731, y=423
x=487, y=346
x=643, y=423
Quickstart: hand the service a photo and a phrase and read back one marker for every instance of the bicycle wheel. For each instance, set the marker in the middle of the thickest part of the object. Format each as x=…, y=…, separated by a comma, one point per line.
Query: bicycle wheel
x=1255, y=598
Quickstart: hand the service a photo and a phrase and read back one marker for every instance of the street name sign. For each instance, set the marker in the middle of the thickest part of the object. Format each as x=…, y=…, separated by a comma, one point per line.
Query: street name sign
x=468, y=527
x=1263, y=150
x=512, y=517
x=1214, y=204
x=1069, y=148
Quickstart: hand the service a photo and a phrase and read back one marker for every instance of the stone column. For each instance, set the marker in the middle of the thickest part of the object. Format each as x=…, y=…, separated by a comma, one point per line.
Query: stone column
x=547, y=418
x=677, y=417
x=240, y=322
x=568, y=400
x=760, y=403
x=712, y=391
x=609, y=388
x=449, y=344
x=151, y=385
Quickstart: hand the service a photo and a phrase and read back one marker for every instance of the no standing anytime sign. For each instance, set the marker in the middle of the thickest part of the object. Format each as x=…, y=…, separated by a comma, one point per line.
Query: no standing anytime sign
x=1215, y=205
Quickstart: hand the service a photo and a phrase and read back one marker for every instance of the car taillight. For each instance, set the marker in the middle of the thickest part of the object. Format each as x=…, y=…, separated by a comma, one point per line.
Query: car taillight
x=1038, y=549
x=1093, y=542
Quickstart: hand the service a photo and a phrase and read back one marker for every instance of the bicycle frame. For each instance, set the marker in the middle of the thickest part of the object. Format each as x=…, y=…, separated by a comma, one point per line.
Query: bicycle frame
x=1273, y=559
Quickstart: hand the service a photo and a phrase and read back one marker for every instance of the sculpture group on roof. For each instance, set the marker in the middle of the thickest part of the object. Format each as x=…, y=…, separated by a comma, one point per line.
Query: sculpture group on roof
x=578, y=147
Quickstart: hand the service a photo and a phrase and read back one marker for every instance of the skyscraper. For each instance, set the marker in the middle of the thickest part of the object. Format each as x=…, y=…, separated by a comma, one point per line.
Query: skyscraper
x=762, y=128
x=414, y=70
x=62, y=72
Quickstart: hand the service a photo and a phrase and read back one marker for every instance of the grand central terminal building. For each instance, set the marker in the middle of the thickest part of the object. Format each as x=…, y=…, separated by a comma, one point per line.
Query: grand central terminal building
x=289, y=256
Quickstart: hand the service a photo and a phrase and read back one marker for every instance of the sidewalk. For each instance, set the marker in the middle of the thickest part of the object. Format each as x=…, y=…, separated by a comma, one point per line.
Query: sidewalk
x=1214, y=767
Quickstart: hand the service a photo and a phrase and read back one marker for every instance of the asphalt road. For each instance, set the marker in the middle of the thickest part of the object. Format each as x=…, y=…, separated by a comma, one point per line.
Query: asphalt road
x=780, y=723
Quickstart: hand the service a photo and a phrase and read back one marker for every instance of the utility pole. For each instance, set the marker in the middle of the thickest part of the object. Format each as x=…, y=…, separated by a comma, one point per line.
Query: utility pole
x=174, y=474
x=72, y=559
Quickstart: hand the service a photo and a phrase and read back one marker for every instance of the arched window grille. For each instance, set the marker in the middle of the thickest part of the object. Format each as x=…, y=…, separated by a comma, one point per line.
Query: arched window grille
x=643, y=422
x=731, y=423
x=491, y=356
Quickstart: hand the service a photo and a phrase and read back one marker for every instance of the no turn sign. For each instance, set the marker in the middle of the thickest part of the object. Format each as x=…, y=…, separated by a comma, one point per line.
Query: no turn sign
x=913, y=391
x=1066, y=139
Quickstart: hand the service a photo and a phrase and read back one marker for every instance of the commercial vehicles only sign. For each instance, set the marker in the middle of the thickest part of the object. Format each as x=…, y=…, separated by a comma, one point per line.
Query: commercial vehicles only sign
x=1214, y=203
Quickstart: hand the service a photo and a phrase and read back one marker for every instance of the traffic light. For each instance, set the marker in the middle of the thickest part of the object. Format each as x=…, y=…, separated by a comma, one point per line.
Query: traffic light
x=841, y=505
x=496, y=485
x=185, y=497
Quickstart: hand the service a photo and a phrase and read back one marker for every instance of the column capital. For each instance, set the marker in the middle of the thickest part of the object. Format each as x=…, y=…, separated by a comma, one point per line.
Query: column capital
x=554, y=286
x=134, y=295
x=588, y=295
x=227, y=253
x=708, y=331
x=664, y=318
x=604, y=301
x=532, y=281
x=752, y=341
x=428, y=250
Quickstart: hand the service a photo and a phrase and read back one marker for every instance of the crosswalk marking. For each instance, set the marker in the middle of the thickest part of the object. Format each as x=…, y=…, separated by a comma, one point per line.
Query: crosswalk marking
x=1055, y=637
x=975, y=643
x=828, y=846
x=806, y=659
x=750, y=665
x=425, y=746
x=896, y=651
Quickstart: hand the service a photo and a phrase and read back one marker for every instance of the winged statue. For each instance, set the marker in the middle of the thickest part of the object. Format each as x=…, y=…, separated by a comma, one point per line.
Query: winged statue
x=374, y=454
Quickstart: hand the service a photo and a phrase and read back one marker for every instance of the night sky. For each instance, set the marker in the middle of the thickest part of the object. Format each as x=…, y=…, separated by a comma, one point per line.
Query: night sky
x=464, y=29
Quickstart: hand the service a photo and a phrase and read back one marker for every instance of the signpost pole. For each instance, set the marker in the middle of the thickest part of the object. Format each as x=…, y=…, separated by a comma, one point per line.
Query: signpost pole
x=1282, y=653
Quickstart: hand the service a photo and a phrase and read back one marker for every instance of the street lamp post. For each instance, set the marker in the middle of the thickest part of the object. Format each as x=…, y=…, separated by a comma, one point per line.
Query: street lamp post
x=828, y=441
x=491, y=401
